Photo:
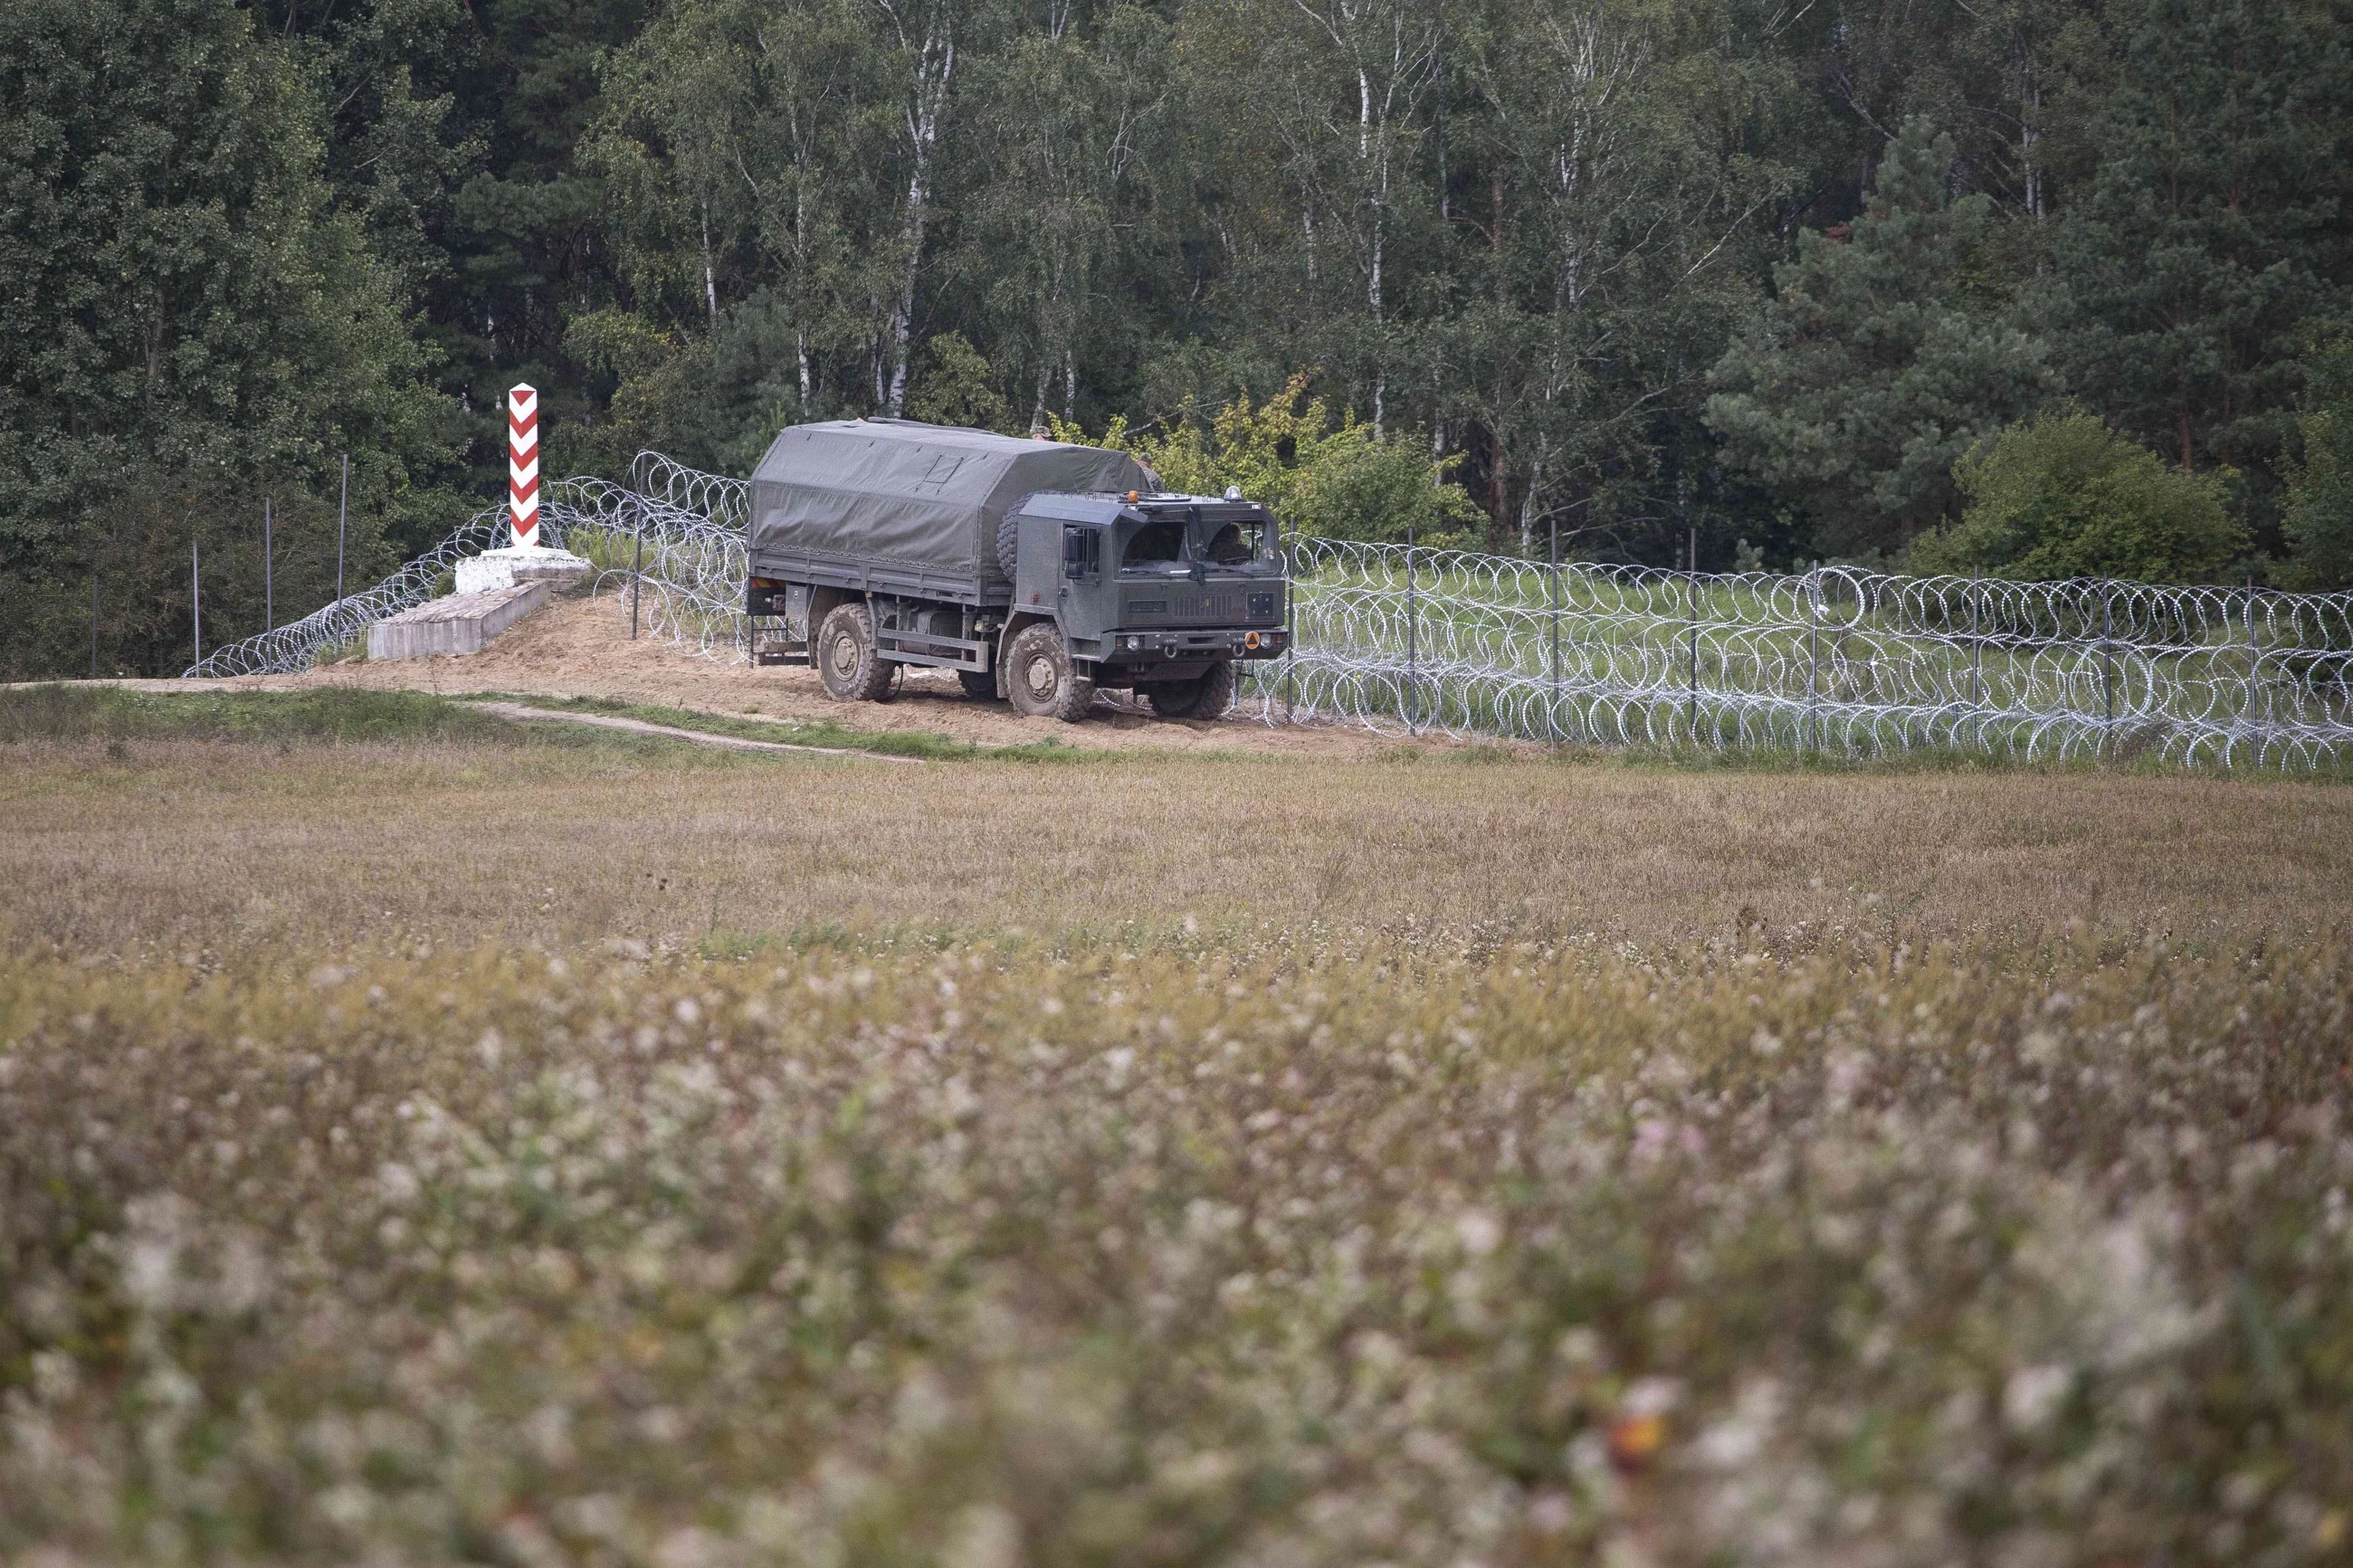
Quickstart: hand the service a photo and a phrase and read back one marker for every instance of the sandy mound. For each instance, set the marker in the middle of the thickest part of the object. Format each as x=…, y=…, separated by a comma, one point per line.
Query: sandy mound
x=581, y=647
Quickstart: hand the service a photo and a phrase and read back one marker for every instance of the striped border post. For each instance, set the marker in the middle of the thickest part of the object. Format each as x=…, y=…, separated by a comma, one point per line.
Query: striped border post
x=523, y=466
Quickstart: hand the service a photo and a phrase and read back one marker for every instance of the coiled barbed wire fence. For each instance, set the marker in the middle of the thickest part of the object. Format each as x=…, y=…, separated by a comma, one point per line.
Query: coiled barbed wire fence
x=1413, y=641
x=688, y=574
x=1836, y=660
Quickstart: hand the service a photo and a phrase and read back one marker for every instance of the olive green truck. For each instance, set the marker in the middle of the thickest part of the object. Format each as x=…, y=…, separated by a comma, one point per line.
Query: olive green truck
x=1039, y=571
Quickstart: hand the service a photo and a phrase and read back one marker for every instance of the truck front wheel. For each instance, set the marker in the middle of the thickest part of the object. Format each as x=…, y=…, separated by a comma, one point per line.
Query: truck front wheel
x=1206, y=696
x=845, y=657
x=1040, y=679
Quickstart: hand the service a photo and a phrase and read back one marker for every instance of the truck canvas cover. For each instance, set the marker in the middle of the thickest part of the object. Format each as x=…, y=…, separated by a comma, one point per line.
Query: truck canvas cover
x=913, y=495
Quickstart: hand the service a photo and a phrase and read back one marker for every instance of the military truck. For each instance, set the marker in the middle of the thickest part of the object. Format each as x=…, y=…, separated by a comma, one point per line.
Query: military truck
x=1040, y=572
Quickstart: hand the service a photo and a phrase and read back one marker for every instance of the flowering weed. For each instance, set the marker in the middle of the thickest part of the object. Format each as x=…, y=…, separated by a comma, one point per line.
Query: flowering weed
x=1006, y=1254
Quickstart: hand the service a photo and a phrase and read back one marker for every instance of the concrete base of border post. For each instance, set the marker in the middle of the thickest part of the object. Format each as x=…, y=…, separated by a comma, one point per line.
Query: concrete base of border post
x=559, y=569
x=459, y=623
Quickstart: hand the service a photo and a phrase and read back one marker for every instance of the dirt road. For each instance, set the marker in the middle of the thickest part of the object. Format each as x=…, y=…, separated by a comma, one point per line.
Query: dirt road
x=581, y=647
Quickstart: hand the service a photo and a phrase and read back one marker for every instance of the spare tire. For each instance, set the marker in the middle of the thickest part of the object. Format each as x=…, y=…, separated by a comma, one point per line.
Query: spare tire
x=1009, y=544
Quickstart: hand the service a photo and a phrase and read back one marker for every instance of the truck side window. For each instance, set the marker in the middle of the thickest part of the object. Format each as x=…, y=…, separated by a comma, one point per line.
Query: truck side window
x=1161, y=540
x=1081, y=551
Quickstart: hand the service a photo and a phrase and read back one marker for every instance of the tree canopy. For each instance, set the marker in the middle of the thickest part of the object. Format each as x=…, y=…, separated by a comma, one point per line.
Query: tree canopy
x=1631, y=270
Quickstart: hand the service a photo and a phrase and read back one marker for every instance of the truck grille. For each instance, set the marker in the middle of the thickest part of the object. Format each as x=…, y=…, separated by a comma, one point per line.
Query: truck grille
x=1215, y=607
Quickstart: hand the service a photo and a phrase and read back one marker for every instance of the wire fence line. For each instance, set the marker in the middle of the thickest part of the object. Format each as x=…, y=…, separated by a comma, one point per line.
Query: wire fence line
x=676, y=540
x=1406, y=640
x=1836, y=659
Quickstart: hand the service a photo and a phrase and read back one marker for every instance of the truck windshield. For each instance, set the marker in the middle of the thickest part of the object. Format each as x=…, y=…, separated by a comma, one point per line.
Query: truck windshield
x=1158, y=542
x=1233, y=543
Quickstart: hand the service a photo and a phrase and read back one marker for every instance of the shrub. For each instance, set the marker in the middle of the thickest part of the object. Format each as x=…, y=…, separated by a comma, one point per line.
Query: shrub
x=954, y=387
x=1340, y=480
x=2064, y=496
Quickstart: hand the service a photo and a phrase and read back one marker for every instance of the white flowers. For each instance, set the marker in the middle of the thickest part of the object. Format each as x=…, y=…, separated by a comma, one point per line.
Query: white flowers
x=1225, y=1259
x=2031, y=1396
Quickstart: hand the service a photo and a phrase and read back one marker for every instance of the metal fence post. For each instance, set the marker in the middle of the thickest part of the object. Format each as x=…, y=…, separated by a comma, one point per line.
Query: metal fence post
x=196, y=595
x=93, y=615
x=1811, y=737
x=1691, y=623
x=342, y=526
x=2254, y=675
x=1413, y=641
x=1977, y=648
x=268, y=587
x=2108, y=675
x=637, y=575
x=1552, y=708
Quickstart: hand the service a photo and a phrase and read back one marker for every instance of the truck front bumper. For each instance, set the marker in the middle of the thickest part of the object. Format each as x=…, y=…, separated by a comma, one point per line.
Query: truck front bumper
x=1141, y=648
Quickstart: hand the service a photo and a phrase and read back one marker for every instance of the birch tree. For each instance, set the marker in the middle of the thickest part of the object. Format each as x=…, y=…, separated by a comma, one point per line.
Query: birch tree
x=925, y=34
x=1386, y=54
x=1611, y=253
x=1064, y=113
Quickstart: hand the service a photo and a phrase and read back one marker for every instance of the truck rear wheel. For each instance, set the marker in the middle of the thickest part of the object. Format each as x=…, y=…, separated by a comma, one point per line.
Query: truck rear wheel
x=845, y=658
x=1041, y=679
x=1206, y=696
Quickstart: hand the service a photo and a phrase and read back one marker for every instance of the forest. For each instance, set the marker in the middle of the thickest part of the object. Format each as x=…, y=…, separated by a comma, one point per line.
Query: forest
x=2040, y=288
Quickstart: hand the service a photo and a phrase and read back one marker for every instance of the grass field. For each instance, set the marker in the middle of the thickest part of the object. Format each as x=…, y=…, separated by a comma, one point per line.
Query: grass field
x=428, y=1139
x=344, y=816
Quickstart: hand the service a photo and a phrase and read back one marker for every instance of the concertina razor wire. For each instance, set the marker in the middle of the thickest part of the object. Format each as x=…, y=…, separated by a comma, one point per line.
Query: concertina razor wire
x=1403, y=640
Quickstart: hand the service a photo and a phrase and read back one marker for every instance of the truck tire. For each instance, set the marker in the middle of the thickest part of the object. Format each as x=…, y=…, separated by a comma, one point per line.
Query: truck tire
x=1009, y=544
x=1206, y=696
x=845, y=658
x=1040, y=679
x=980, y=685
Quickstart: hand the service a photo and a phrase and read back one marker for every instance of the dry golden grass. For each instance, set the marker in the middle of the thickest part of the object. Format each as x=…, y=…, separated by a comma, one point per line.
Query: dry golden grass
x=221, y=845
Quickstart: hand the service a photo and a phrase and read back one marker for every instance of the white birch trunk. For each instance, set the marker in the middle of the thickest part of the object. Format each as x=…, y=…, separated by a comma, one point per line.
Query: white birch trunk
x=934, y=64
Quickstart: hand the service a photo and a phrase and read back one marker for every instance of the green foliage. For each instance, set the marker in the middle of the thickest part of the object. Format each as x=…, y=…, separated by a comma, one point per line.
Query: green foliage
x=1873, y=369
x=2184, y=285
x=238, y=238
x=186, y=326
x=2064, y=496
x=2319, y=520
x=954, y=387
x=1336, y=478
x=339, y=715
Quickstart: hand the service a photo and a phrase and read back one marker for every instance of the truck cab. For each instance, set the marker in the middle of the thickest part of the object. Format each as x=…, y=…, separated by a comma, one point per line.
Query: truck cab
x=1161, y=593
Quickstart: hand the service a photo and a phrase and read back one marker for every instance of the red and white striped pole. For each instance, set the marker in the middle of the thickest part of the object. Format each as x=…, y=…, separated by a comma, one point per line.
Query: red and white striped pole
x=523, y=466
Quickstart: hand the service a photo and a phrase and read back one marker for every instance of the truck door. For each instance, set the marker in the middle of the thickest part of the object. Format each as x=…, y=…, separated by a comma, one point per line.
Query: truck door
x=1084, y=594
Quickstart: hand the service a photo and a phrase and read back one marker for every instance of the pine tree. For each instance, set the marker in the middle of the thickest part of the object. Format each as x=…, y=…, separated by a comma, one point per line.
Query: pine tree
x=2320, y=517
x=2215, y=231
x=181, y=311
x=1871, y=369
